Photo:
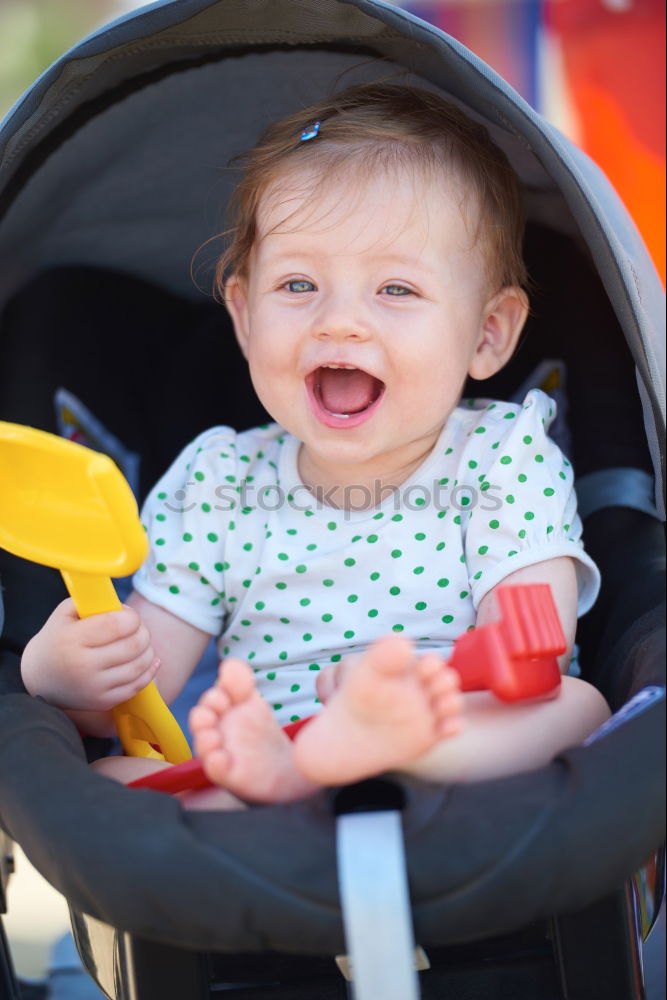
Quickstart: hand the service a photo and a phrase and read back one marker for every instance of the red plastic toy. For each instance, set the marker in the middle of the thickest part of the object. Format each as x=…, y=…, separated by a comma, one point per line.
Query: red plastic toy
x=514, y=658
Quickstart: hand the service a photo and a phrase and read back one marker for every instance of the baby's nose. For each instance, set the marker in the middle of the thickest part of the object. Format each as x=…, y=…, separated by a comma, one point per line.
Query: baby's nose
x=342, y=321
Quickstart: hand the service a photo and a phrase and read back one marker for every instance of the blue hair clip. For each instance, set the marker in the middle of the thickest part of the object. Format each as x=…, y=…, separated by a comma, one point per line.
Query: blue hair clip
x=310, y=132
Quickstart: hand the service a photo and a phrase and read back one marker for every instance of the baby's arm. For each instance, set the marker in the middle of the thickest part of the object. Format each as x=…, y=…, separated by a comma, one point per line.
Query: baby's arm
x=560, y=574
x=501, y=739
x=88, y=666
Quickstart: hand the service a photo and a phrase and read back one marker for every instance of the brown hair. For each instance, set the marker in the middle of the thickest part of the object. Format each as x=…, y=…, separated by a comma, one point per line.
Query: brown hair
x=378, y=126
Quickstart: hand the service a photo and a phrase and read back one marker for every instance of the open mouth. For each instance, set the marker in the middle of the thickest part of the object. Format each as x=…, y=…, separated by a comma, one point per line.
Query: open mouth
x=342, y=395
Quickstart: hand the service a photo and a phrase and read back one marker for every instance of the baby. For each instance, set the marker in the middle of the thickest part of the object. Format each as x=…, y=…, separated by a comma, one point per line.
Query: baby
x=374, y=263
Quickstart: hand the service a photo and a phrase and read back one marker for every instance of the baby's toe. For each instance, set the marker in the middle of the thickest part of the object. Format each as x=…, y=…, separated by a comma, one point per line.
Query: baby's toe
x=237, y=680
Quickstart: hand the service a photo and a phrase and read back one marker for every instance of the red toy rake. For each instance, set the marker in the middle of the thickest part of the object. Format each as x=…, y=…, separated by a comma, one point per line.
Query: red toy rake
x=515, y=658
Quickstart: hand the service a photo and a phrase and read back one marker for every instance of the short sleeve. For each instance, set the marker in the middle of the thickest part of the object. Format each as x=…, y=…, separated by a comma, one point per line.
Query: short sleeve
x=185, y=518
x=526, y=510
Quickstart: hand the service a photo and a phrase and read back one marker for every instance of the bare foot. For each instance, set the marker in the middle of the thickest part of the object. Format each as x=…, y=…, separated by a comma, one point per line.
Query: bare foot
x=241, y=745
x=391, y=708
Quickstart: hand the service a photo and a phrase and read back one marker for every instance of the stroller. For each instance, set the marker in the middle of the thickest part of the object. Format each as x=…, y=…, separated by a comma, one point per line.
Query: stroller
x=112, y=175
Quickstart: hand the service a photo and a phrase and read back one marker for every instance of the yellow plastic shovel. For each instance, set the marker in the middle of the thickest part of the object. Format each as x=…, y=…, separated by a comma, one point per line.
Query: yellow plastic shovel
x=65, y=506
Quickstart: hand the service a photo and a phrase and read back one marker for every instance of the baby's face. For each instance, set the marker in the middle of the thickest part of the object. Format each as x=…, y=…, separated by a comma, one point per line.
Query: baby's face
x=363, y=310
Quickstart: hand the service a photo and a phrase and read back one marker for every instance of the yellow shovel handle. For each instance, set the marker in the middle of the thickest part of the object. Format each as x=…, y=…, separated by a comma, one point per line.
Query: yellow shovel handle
x=143, y=722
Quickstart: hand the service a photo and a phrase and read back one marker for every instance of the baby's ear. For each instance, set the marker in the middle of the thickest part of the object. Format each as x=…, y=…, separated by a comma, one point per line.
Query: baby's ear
x=502, y=322
x=236, y=301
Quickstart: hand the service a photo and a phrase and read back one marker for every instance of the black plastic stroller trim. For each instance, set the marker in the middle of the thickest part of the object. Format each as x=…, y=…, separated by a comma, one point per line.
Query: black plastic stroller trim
x=550, y=850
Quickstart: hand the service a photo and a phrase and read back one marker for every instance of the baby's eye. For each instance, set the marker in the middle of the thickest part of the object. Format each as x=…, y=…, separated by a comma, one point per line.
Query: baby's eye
x=299, y=285
x=397, y=290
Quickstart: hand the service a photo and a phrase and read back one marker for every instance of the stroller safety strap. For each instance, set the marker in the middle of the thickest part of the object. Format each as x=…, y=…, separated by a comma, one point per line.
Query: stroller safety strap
x=374, y=895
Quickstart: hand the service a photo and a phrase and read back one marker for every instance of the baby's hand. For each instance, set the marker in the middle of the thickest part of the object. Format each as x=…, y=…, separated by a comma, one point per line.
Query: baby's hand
x=90, y=664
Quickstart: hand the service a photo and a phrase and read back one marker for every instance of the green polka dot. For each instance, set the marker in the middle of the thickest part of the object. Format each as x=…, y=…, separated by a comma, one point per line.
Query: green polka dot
x=206, y=507
x=311, y=547
x=494, y=524
x=372, y=538
x=306, y=636
x=350, y=562
x=394, y=591
x=522, y=477
x=463, y=595
x=509, y=498
x=480, y=430
x=199, y=476
x=420, y=536
x=187, y=537
x=522, y=533
x=349, y=634
x=482, y=550
x=550, y=528
x=304, y=602
x=282, y=655
x=376, y=517
x=327, y=617
x=271, y=676
x=301, y=568
x=418, y=570
x=509, y=416
x=295, y=687
x=327, y=583
x=314, y=666
x=260, y=605
x=161, y=568
x=420, y=605
x=373, y=613
x=528, y=516
x=374, y=576
x=332, y=525
x=397, y=628
x=160, y=541
x=562, y=475
x=472, y=464
x=357, y=538
x=212, y=537
x=397, y=517
x=162, y=496
x=352, y=598
x=160, y=517
x=268, y=638
x=457, y=519
x=440, y=546
x=281, y=586
x=505, y=460
x=283, y=556
x=276, y=708
x=443, y=582
x=539, y=458
x=285, y=621
x=549, y=492
x=396, y=554
x=527, y=439
x=291, y=531
x=174, y=589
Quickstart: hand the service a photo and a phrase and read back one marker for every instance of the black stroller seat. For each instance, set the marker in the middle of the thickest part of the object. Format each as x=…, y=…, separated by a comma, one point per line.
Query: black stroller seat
x=111, y=178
